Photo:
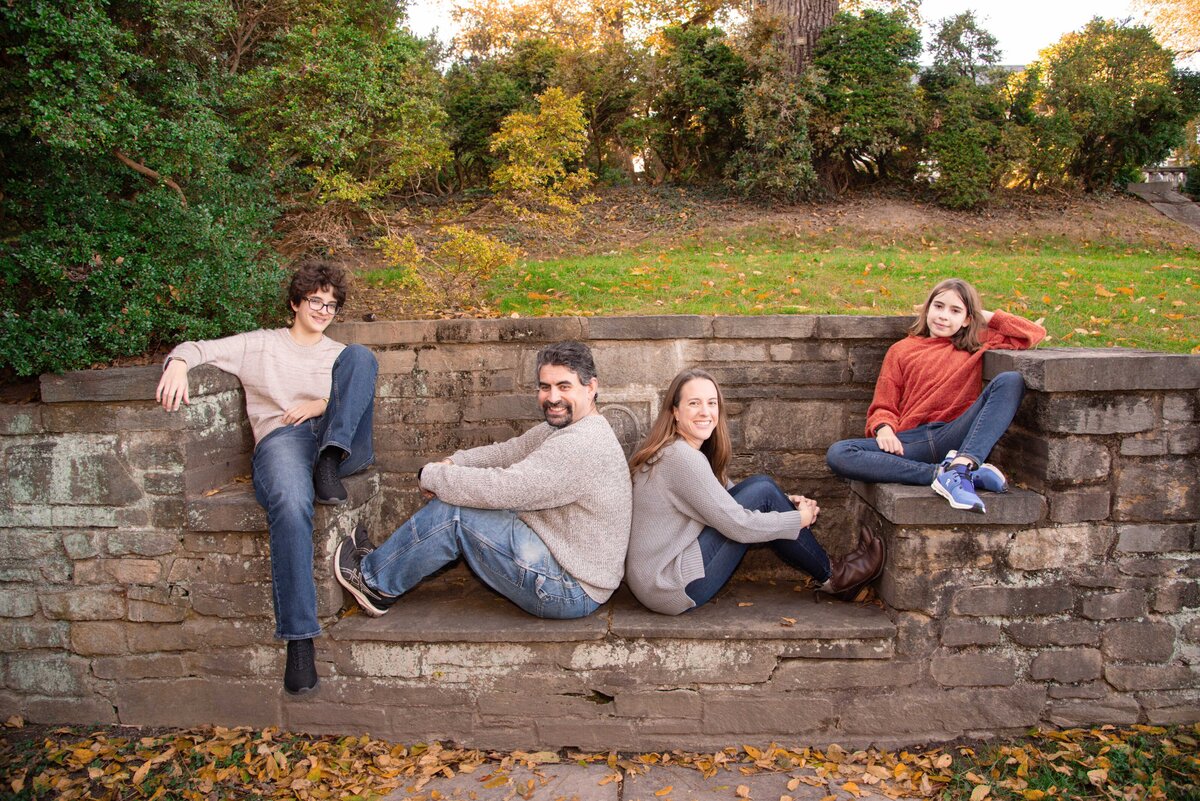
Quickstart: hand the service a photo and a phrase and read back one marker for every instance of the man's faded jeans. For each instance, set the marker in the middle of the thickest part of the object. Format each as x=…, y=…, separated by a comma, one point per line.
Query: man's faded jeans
x=283, y=485
x=504, y=552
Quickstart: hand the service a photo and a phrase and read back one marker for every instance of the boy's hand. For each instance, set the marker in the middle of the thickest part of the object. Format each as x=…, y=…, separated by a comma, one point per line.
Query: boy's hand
x=173, y=386
x=888, y=442
x=304, y=411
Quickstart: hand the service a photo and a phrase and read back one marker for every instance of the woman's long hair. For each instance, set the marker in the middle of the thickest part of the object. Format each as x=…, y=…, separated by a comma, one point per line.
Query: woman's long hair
x=969, y=337
x=663, y=432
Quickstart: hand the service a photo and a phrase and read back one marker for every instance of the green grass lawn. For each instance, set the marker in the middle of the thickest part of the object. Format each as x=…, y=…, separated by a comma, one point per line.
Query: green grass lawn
x=1085, y=294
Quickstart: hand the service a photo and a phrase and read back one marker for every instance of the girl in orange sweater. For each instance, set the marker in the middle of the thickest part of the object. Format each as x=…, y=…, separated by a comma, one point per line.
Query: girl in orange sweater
x=928, y=422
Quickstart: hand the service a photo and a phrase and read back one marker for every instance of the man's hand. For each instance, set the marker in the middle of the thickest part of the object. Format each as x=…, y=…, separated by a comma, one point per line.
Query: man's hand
x=888, y=442
x=173, y=386
x=427, y=494
x=808, y=509
x=304, y=411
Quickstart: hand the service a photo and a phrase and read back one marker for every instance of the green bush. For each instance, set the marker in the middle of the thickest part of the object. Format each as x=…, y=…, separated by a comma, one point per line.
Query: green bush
x=129, y=219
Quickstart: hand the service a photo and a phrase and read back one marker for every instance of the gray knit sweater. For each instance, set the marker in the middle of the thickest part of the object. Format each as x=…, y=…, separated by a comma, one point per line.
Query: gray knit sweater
x=674, y=498
x=570, y=485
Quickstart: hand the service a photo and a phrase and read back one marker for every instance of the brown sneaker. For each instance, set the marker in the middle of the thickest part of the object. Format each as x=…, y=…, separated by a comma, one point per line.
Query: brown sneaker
x=852, y=572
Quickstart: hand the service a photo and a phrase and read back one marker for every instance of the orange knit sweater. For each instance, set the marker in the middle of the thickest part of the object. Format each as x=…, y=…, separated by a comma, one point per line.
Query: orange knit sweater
x=928, y=380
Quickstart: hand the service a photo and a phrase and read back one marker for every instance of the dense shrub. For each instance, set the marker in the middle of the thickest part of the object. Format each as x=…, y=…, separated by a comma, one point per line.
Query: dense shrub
x=129, y=218
x=449, y=276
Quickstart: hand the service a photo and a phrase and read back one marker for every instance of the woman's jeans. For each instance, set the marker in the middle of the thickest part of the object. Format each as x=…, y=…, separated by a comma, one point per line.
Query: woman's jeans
x=283, y=484
x=973, y=434
x=504, y=552
x=722, y=555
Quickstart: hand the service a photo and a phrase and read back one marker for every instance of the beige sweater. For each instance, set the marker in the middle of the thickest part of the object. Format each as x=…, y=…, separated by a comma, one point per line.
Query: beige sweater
x=674, y=498
x=570, y=485
x=275, y=371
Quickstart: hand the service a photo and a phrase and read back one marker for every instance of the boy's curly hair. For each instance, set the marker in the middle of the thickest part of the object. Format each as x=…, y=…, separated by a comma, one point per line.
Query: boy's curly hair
x=314, y=275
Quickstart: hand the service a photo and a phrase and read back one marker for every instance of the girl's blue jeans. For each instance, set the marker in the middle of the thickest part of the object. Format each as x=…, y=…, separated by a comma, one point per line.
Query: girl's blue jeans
x=973, y=434
x=283, y=485
x=722, y=555
x=505, y=553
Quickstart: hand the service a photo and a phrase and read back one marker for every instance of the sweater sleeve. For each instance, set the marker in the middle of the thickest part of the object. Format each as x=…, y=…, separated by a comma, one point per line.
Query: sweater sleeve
x=503, y=454
x=698, y=494
x=549, y=476
x=1008, y=331
x=889, y=389
x=227, y=353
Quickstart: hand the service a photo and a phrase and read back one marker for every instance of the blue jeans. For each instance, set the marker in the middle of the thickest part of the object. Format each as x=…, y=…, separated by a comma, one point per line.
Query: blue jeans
x=973, y=434
x=504, y=552
x=283, y=485
x=722, y=555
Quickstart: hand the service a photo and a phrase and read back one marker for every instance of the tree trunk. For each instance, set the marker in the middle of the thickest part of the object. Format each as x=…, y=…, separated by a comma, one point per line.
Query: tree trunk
x=801, y=22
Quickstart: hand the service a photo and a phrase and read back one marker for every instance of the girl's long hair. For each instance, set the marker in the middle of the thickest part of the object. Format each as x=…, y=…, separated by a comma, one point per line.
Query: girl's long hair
x=663, y=432
x=969, y=337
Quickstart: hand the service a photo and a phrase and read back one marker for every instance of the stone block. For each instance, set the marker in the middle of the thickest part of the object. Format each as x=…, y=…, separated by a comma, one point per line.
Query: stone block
x=1096, y=369
x=1120, y=710
x=916, y=635
x=1183, y=439
x=1057, y=460
x=157, y=604
x=70, y=471
x=99, y=386
x=799, y=326
x=141, y=543
x=1175, y=596
x=1079, y=505
x=1012, y=601
x=187, y=702
x=143, y=666
x=648, y=364
x=163, y=482
x=675, y=662
x=683, y=326
x=759, y=375
x=48, y=674
x=1058, y=547
x=589, y=735
x=1133, y=678
x=909, y=506
x=1114, y=605
x=785, y=425
x=90, y=710
x=16, y=602
x=671, y=703
x=102, y=418
x=796, y=351
x=28, y=544
x=1088, y=690
x=736, y=712
x=1171, y=708
x=1039, y=634
x=1067, y=666
x=21, y=635
x=1178, y=408
x=1158, y=489
x=83, y=604
x=20, y=419
x=973, y=670
x=98, y=638
x=810, y=674
x=957, y=633
x=943, y=714
x=841, y=326
x=1090, y=414
x=865, y=364
x=134, y=571
x=1143, y=641
x=1156, y=538
x=80, y=544
x=914, y=591
x=1152, y=443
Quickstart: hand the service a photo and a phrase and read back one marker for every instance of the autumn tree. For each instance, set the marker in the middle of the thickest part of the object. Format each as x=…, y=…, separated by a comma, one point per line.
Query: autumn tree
x=1176, y=23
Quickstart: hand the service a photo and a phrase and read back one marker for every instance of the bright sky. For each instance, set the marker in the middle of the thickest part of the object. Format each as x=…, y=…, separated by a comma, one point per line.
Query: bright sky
x=1023, y=27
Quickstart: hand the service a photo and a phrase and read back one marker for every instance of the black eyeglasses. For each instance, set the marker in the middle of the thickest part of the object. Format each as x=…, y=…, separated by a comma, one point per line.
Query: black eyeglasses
x=316, y=304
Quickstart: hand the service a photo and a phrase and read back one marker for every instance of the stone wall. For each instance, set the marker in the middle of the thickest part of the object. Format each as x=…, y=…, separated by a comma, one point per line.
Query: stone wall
x=134, y=579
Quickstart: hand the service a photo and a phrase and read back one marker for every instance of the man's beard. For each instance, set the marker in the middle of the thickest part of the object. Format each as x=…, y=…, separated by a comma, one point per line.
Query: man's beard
x=567, y=418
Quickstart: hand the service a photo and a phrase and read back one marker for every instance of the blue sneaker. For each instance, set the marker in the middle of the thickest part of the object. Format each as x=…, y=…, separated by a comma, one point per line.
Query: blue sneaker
x=985, y=477
x=955, y=486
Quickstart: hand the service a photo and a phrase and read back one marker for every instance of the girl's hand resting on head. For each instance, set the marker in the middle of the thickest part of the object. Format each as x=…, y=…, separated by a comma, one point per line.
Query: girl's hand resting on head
x=888, y=442
x=807, y=508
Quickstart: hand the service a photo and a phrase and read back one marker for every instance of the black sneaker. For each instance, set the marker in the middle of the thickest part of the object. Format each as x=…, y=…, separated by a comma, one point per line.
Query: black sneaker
x=300, y=675
x=328, y=488
x=362, y=543
x=346, y=567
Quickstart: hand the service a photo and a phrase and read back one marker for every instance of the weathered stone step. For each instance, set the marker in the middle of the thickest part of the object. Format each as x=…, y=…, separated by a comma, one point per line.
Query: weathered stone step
x=233, y=507
x=907, y=505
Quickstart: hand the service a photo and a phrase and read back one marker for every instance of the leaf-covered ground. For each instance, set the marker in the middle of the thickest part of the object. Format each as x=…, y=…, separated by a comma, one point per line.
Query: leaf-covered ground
x=1136, y=763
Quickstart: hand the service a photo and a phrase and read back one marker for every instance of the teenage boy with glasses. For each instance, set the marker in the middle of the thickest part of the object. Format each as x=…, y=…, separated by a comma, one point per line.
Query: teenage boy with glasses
x=310, y=402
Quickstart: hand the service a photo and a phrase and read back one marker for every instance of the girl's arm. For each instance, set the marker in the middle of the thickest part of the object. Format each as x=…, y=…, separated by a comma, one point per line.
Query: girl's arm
x=884, y=410
x=1009, y=331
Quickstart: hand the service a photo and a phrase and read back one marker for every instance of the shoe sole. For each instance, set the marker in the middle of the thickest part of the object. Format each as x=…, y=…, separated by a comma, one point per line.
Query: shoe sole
x=363, y=601
x=1003, y=479
x=966, y=507
x=331, y=501
x=851, y=593
x=303, y=690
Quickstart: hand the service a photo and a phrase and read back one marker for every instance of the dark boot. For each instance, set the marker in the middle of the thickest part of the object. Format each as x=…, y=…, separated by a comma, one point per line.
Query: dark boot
x=300, y=675
x=852, y=572
x=327, y=487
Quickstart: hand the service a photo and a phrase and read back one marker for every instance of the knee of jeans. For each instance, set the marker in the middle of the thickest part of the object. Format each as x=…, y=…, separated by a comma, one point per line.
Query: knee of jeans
x=359, y=356
x=1010, y=380
x=838, y=452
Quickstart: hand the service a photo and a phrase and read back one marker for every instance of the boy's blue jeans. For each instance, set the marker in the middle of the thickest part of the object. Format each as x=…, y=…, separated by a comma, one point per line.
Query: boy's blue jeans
x=973, y=434
x=722, y=555
x=283, y=485
x=504, y=552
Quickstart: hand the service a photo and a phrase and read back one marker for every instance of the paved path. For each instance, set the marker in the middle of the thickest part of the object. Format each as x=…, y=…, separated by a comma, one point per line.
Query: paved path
x=571, y=782
x=1163, y=197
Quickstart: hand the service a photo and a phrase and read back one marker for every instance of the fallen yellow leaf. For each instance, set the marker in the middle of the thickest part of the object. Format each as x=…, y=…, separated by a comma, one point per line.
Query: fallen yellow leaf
x=980, y=792
x=665, y=790
x=742, y=791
